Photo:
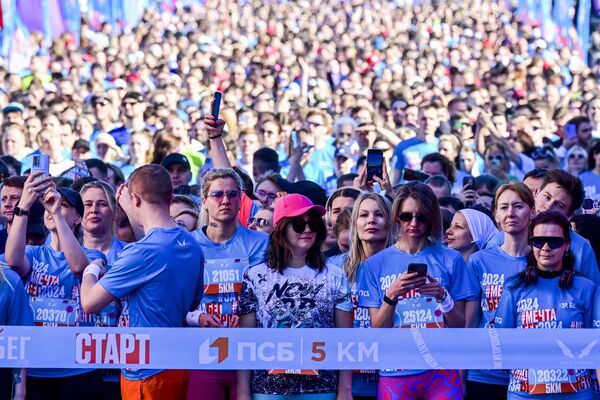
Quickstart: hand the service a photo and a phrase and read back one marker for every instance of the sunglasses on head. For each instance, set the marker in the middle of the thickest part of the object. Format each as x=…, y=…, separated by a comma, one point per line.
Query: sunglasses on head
x=259, y=222
x=408, y=217
x=299, y=224
x=554, y=242
x=219, y=194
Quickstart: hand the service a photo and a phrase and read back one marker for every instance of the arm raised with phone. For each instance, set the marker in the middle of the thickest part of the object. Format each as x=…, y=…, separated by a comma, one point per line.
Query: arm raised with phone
x=33, y=190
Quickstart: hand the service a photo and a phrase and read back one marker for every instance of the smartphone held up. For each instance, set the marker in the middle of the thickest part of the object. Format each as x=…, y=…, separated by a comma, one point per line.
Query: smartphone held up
x=215, y=106
x=374, y=164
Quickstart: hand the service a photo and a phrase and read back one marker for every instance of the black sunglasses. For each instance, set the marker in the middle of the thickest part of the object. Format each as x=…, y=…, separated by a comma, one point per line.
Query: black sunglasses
x=554, y=242
x=408, y=217
x=299, y=224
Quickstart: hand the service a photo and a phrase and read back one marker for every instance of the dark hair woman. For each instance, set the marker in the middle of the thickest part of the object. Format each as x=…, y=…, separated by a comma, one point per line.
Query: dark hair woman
x=548, y=283
x=294, y=258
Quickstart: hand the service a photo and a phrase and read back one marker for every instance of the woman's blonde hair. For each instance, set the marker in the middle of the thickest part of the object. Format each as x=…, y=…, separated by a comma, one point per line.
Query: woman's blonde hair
x=356, y=253
x=109, y=193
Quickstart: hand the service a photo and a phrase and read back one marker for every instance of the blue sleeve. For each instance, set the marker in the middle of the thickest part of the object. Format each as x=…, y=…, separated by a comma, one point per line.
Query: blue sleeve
x=199, y=292
x=474, y=277
x=259, y=252
x=596, y=311
x=399, y=158
x=369, y=293
x=505, y=314
x=128, y=273
x=588, y=315
x=19, y=309
x=461, y=286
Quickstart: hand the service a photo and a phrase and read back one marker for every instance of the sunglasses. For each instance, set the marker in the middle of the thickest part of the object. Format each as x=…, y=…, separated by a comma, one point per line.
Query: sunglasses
x=267, y=195
x=219, y=194
x=314, y=123
x=299, y=224
x=408, y=217
x=259, y=222
x=576, y=156
x=498, y=157
x=554, y=242
x=540, y=154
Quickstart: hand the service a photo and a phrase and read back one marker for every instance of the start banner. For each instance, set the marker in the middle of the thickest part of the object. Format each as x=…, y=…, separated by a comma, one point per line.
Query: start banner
x=293, y=349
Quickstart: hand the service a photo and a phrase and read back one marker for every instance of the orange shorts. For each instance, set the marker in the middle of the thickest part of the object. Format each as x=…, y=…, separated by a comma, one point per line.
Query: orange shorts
x=168, y=384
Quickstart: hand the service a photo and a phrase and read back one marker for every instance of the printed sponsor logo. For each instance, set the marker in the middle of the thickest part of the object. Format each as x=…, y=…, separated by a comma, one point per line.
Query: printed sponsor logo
x=13, y=347
x=585, y=352
x=215, y=351
x=112, y=348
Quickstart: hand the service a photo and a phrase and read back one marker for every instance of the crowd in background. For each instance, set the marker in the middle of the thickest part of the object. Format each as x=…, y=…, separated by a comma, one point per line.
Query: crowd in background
x=491, y=178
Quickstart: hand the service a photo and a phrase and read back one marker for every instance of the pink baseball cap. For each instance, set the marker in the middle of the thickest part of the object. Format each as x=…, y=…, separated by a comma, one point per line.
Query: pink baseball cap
x=293, y=205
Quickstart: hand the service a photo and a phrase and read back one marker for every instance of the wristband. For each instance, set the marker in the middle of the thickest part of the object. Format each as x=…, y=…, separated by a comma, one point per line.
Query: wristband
x=389, y=301
x=215, y=137
x=193, y=318
x=92, y=269
x=447, y=304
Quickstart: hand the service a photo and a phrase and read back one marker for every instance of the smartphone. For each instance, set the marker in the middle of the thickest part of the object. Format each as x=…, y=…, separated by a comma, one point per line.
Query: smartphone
x=588, y=204
x=419, y=268
x=374, y=163
x=41, y=163
x=570, y=131
x=216, y=104
x=412, y=175
x=469, y=181
x=295, y=140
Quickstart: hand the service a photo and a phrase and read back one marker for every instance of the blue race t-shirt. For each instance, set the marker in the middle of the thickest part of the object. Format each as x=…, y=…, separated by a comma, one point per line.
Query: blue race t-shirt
x=591, y=184
x=545, y=305
x=585, y=259
x=398, y=158
x=149, y=271
x=338, y=260
x=412, y=156
x=224, y=266
x=14, y=302
x=54, y=297
x=413, y=310
x=490, y=268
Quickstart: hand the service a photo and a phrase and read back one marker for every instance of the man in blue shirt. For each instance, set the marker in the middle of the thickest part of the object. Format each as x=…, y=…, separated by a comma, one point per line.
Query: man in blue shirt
x=408, y=154
x=166, y=260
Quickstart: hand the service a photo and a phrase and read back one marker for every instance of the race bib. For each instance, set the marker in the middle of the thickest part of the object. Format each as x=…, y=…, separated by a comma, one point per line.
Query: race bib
x=313, y=372
x=53, y=312
x=546, y=381
x=224, y=275
x=416, y=311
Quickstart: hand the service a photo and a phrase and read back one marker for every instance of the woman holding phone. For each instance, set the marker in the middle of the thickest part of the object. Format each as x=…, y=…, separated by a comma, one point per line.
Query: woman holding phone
x=549, y=284
x=370, y=232
x=398, y=297
x=52, y=275
x=294, y=257
x=489, y=269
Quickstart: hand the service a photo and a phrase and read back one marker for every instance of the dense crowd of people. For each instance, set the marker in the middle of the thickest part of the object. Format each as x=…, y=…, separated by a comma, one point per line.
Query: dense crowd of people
x=483, y=214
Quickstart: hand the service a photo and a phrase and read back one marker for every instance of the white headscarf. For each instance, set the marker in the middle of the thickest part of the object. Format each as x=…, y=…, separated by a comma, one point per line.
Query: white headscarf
x=481, y=226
